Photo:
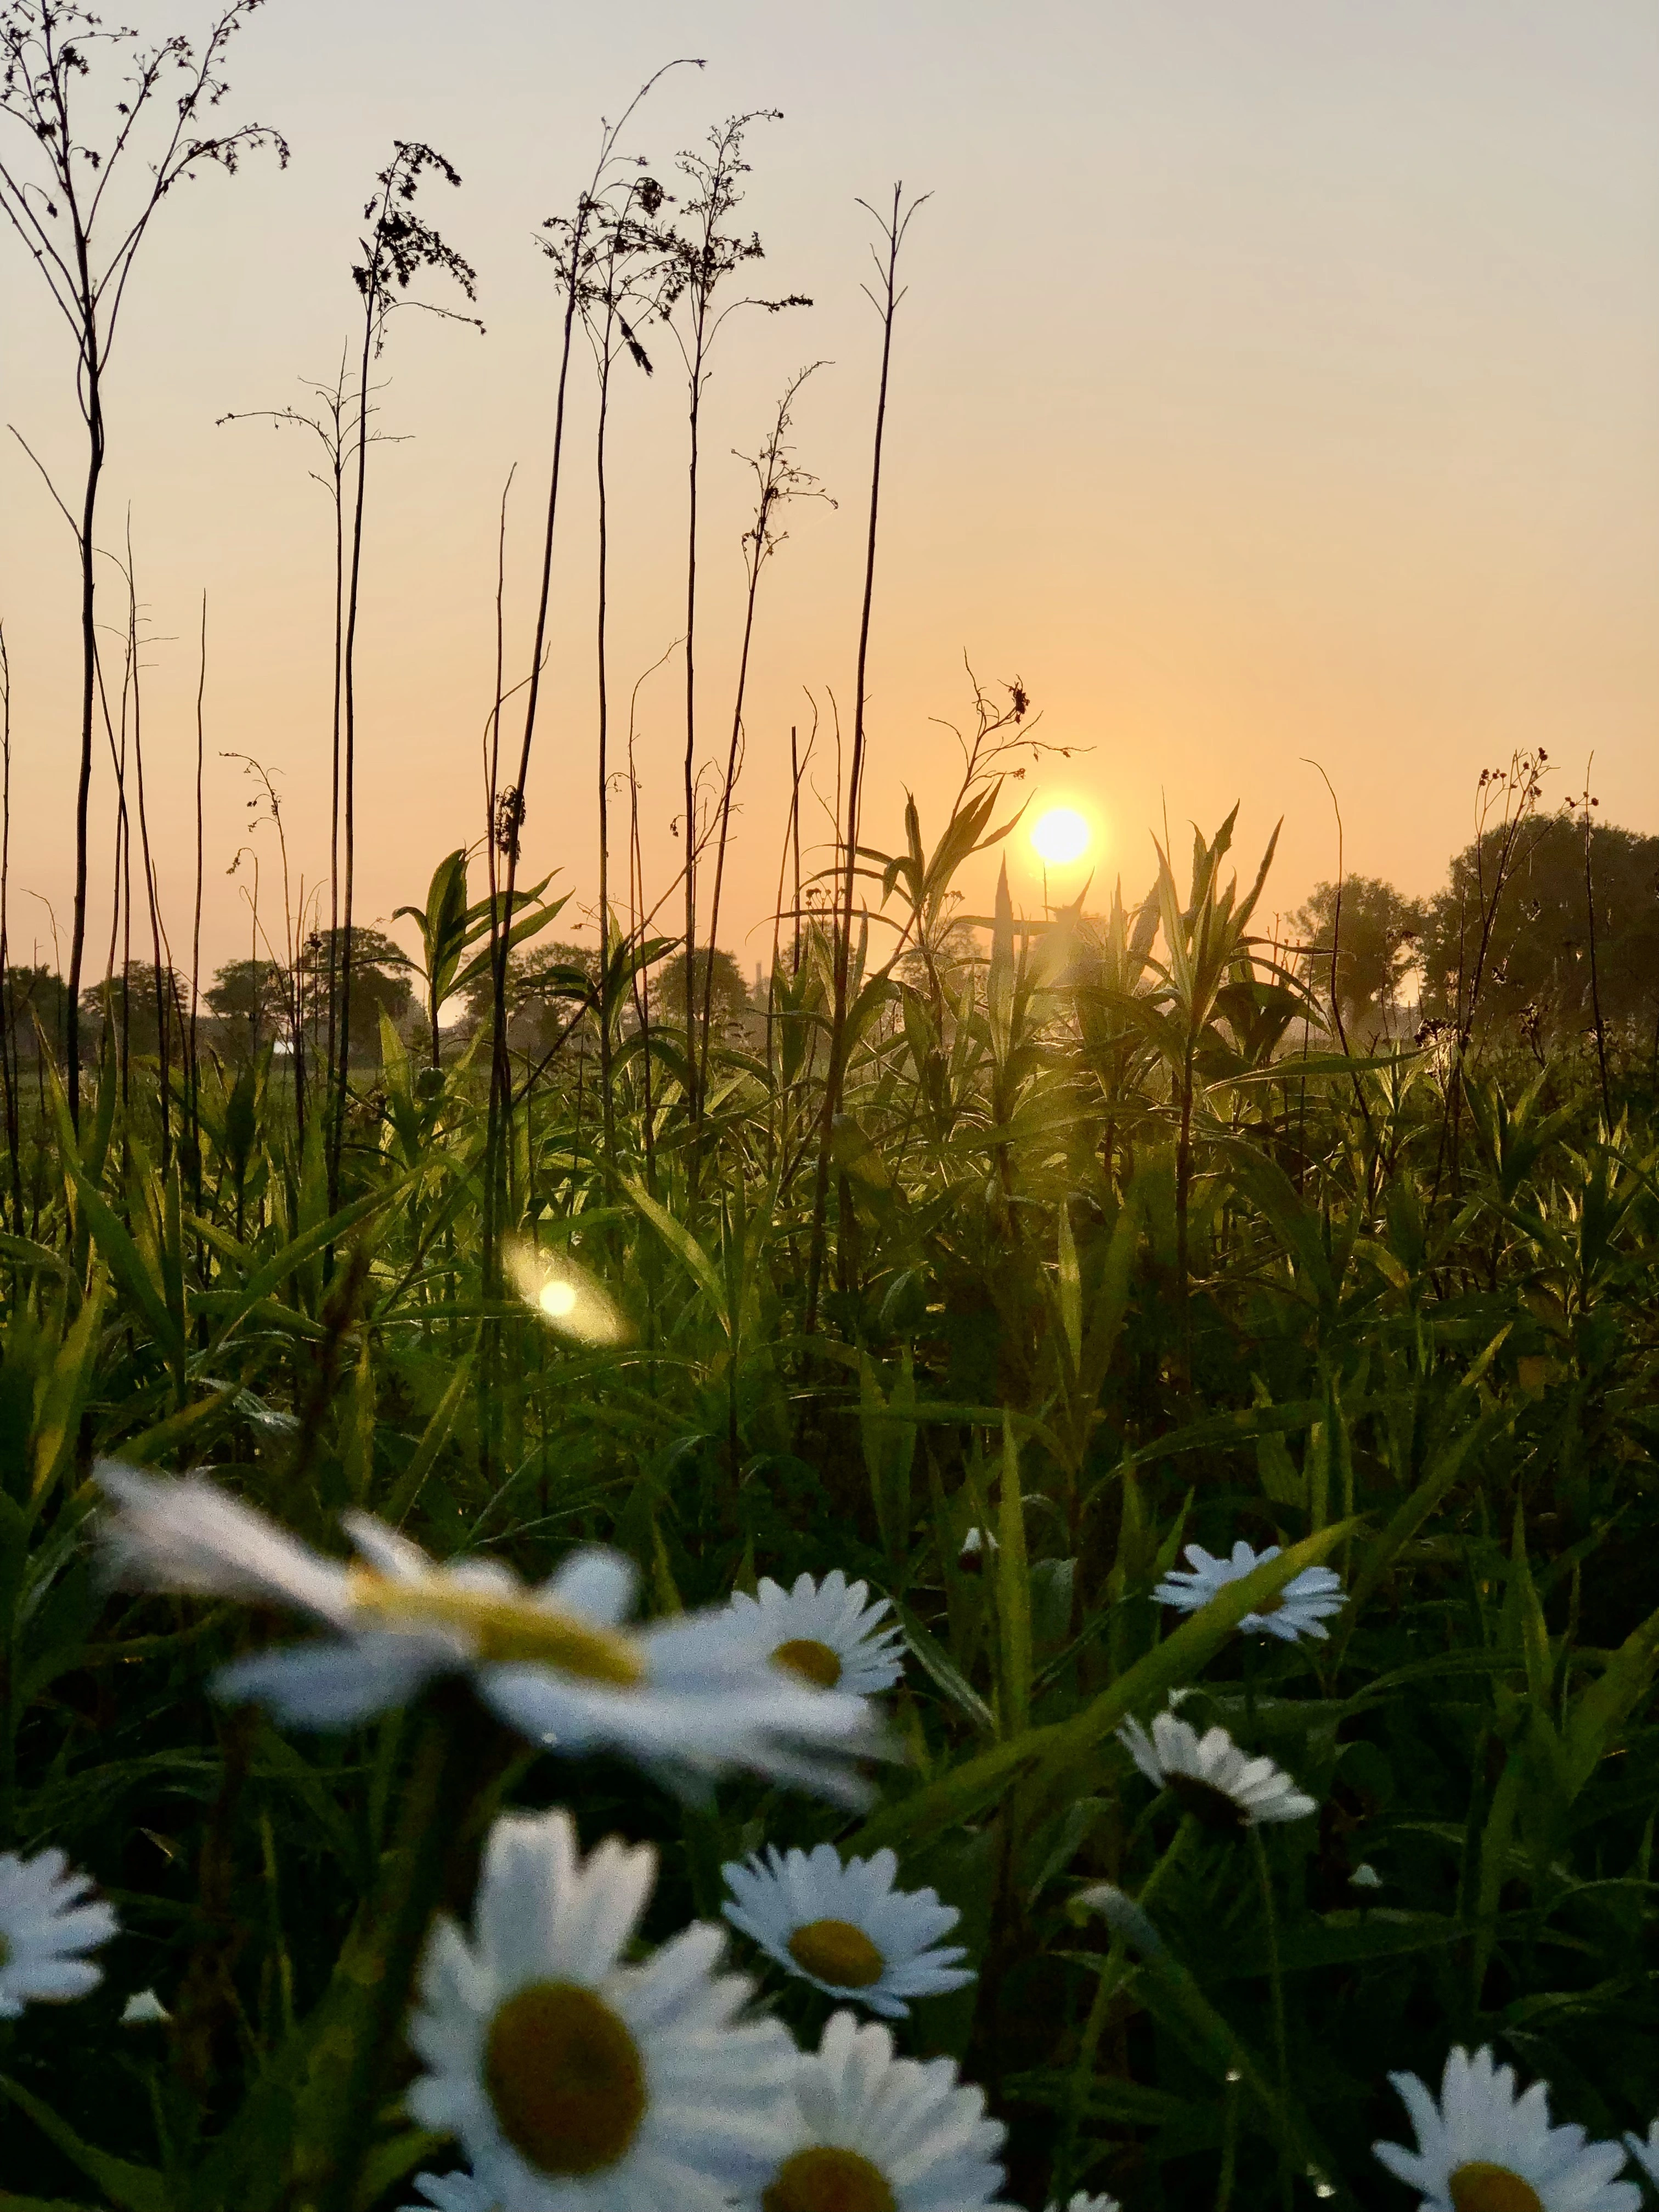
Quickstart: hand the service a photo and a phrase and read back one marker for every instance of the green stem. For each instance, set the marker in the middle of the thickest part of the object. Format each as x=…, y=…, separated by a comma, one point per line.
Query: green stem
x=1276, y=1986
x=438, y=1800
x=1107, y=1985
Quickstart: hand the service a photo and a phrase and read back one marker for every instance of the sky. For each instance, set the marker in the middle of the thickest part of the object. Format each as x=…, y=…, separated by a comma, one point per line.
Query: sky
x=1274, y=385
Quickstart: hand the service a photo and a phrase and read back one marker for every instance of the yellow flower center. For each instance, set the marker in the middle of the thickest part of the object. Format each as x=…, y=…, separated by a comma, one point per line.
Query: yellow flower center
x=1479, y=2187
x=836, y=1952
x=813, y=1661
x=565, y=2077
x=1212, y=1807
x=825, y=2180
x=502, y=1631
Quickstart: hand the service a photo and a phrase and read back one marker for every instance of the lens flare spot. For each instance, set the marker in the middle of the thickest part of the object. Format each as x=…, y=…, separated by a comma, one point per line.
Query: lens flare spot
x=558, y=1301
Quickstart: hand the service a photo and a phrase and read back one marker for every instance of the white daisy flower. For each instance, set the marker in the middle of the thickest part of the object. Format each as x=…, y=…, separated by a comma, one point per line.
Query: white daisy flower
x=688, y=1698
x=46, y=1925
x=1644, y=2149
x=1300, y=1609
x=575, y=2083
x=1082, y=2202
x=825, y=1633
x=144, y=2008
x=1208, y=1775
x=873, y=2133
x=1481, y=2149
x=845, y=1928
x=451, y=2193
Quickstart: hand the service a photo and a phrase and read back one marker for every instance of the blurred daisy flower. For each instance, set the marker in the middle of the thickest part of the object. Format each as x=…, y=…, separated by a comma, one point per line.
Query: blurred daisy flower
x=845, y=1928
x=871, y=2132
x=1082, y=2202
x=826, y=1633
x=1210, y=1776
x=565, y=1295
x=1481, y=2149
x=1301, y=1608
x=571, y=2079
x=45, y=1925
x=688, y=1698
x=1644, y=2149
x=451, y=2193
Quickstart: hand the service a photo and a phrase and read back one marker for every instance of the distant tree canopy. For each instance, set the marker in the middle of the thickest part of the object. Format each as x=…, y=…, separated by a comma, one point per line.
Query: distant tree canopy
x=1376, y=945
x=36, y=995
x=380, y=985
x=129, y=1001
x=545, y=989
x=731, y=1004
x=249, y=999
x=1536, y=970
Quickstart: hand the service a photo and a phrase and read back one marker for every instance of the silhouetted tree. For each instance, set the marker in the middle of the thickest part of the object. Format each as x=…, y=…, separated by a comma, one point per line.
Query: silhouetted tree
x=380, y=984
x=1538, y=965
x=1376, y=945
x=251, y=1001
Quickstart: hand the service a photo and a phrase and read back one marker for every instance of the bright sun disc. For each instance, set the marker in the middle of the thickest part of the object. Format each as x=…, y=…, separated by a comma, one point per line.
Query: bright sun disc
x=1060, y=836
x=558, y=1300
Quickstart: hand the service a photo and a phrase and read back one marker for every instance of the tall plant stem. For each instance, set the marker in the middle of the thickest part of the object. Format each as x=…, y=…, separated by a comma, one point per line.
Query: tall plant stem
x=8, y=1061
x=340, y=945
x=894, y=228
x=607, y=1100
x=193, y=1068
x=1595, y=968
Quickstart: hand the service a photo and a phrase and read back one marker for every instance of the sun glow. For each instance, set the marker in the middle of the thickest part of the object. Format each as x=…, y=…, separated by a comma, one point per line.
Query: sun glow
x=1060, y=836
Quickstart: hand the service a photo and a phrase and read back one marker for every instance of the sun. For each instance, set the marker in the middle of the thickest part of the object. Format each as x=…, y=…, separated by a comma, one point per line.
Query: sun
x=1060, y=836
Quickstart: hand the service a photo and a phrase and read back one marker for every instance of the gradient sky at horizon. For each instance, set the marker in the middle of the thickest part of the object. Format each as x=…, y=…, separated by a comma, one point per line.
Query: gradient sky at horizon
x=1275, y=382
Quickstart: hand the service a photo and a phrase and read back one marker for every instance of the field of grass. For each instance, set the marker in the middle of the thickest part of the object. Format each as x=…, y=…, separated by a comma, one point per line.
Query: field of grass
x=1107, y=1270
x=1236, y=1427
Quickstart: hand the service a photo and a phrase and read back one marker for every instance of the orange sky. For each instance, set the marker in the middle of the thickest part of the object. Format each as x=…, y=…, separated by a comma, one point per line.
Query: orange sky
x=1275, y=381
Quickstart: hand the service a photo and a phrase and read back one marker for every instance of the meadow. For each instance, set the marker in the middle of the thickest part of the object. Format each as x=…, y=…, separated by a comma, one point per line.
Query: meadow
x=1242, y=1427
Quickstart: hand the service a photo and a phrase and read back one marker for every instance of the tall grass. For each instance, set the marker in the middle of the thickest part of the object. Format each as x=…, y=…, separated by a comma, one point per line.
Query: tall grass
x=993, y=1261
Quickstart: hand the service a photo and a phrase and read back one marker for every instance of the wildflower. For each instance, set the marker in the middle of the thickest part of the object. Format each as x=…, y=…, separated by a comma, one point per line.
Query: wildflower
x=453, y=2192
x=1300, y=1609
x=1481, y=2149
x=688, y=1698
x=45, y=1925
x=1210, y=1775
x=1644, y=2149
x=574, y=2081
x=1364, y=1876
x=874, y=2133
x=1082, y=2202
x=144, y=2008
x=845, y=1928
x=825, y=1632
x=978, y=1546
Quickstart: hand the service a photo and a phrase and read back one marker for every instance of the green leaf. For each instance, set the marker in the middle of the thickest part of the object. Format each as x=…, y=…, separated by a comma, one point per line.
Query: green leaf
x=680, y=1241
x=434, y=1437
x=134, y=2188
x=1013, y=1593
